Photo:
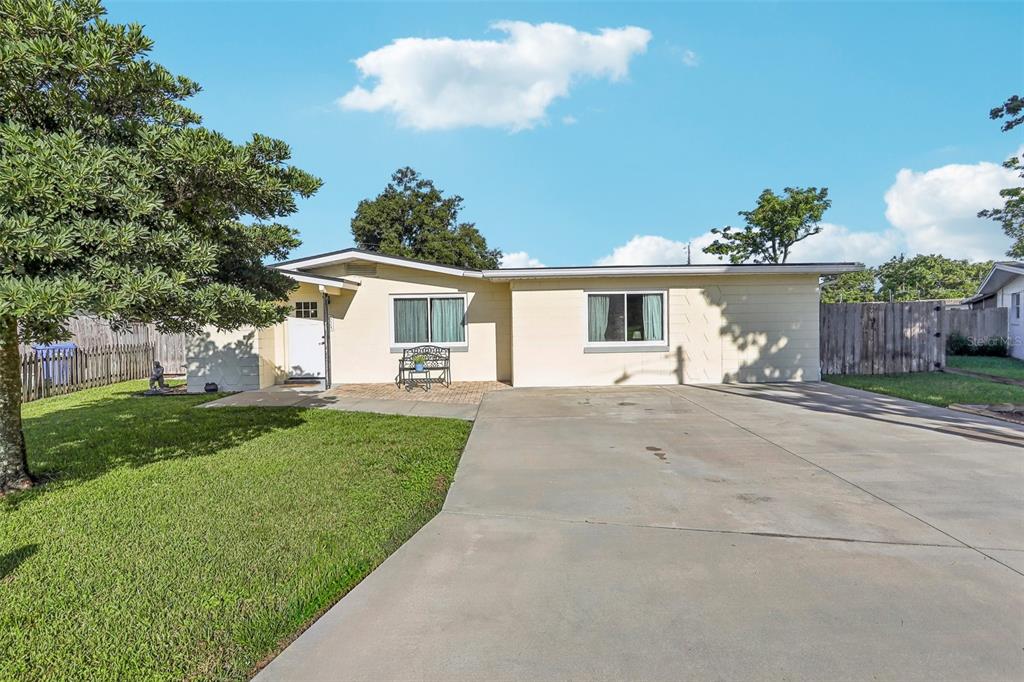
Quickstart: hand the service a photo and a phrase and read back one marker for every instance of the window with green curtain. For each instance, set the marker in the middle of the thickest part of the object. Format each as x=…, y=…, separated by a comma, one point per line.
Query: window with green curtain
x=411, y=320
x=597, y=316
x=625, y=317
x=652, y=317
x=446, y=320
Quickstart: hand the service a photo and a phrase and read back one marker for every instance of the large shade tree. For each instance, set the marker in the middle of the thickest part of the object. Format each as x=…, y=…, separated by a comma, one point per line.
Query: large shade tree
x=115, y=202
x=1011, y=214
x=850, y=287
x=412, y=218
x=773, y=226
x=929, y=277
x=900, y=278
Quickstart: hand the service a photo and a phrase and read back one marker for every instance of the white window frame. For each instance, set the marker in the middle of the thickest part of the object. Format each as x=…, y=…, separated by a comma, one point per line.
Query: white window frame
x=661, y=343
x=430, y=332
x=1015, y=304
x=315, y=308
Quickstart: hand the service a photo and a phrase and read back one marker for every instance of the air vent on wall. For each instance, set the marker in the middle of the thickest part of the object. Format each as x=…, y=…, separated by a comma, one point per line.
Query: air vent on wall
x=364, y=269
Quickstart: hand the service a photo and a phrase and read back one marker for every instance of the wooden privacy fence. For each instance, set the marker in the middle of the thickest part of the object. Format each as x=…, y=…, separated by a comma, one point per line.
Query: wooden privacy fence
x=92, y=333
x=56, y=371
x=977, y=325
x=882, y=338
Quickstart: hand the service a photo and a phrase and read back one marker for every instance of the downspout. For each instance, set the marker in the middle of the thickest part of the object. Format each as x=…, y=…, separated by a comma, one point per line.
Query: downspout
x=327, y=336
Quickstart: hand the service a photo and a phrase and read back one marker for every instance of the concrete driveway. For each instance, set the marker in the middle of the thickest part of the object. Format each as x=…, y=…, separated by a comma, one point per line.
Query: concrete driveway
x=759, y=532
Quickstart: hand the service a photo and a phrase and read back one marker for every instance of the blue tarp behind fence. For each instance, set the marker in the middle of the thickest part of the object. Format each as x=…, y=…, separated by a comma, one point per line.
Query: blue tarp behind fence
x=55, y=359
x=60, y=368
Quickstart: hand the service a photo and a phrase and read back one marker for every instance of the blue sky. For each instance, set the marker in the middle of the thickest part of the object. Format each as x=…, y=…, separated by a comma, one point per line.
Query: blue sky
x=620, y=147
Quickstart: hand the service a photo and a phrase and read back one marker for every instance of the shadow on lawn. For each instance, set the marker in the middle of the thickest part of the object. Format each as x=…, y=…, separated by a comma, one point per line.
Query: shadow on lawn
x=10, y=561
x=86, y=439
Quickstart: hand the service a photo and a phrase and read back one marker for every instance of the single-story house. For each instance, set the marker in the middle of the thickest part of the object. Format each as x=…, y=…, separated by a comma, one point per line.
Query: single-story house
x=1005, y=286
x=353, y=313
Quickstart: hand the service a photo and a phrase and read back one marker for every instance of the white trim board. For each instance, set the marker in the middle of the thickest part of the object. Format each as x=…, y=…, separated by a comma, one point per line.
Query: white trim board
x=335, y=283
x=663, y=270
x=349, y=255
x=506, y=274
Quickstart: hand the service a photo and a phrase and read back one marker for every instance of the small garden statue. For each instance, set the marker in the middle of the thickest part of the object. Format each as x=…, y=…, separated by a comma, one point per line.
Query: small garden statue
x=156, y=379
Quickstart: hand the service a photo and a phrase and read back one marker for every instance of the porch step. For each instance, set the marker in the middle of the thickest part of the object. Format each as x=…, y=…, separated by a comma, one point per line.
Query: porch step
x=303, y=381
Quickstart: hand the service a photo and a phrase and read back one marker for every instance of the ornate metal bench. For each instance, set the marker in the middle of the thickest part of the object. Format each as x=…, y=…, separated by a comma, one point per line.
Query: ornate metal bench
x=435, y=359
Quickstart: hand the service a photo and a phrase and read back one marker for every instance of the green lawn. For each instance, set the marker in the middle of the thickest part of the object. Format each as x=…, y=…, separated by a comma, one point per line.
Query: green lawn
x=1003, y=367
x=935, y=388
x=178, y=543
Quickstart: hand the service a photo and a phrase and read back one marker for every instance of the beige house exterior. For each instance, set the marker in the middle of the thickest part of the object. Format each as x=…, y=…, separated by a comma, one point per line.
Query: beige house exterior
x=354, y=312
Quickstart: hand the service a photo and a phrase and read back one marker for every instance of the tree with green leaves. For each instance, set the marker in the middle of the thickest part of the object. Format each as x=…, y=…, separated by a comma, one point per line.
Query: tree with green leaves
x=773, y=227
x=1012, y=109
x=412, y=218
x=850, y=287
x=116, y=202
x=929, y=277
x=1011, y=215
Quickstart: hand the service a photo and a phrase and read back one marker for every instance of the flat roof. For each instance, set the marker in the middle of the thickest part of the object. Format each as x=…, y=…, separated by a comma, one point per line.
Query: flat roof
x=662, y=270
x=500, y=274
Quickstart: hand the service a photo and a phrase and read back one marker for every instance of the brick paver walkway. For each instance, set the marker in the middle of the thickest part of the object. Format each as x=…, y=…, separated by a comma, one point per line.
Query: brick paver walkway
x=460, y=392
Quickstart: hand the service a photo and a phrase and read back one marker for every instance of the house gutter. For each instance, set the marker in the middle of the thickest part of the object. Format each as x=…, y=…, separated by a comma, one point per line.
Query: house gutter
x=671, y=270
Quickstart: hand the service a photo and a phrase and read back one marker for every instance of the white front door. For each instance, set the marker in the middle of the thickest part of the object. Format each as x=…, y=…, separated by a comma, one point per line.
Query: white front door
x=305, y=347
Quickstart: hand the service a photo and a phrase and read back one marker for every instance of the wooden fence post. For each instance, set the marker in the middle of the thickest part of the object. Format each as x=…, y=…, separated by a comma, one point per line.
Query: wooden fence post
x=63, y=371
x=892, y=338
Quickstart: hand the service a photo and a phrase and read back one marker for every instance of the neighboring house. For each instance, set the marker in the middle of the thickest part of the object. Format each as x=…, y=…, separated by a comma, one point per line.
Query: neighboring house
x=978, y=302
x=1005, y=285
x=354, y=312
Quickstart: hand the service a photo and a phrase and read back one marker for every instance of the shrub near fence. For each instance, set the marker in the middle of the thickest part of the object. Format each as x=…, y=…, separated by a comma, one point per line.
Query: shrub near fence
x=56, y=371
x=978, y=326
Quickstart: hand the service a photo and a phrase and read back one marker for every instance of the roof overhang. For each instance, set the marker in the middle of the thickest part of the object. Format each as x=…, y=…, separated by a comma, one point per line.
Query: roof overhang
x=349, y=255
x=978, y=297
x=330, y=285
x=673, y=270
x=298, y=267
x=1000, y=276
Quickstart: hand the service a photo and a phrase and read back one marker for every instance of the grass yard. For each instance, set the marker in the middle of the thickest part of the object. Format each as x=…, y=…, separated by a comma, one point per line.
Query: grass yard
x=176, y=543
x=935, y=388
x=1010, y=368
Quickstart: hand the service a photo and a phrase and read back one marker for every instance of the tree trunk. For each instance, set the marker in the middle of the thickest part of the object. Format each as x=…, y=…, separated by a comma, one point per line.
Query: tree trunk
x=13, y=466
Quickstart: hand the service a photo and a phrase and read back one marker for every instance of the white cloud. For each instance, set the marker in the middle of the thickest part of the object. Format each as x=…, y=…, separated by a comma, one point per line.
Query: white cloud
x=936, y=210
x=690, y=58
x=840, y=243
x=835, y=243
x=519, y=259
x=933, y=211
x=649, y=249
x=570, y=120
x=444, y=83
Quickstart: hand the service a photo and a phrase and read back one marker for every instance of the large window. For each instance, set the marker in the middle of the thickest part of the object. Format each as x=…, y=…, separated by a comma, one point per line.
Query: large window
x=439, y=320
x=628, y=318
